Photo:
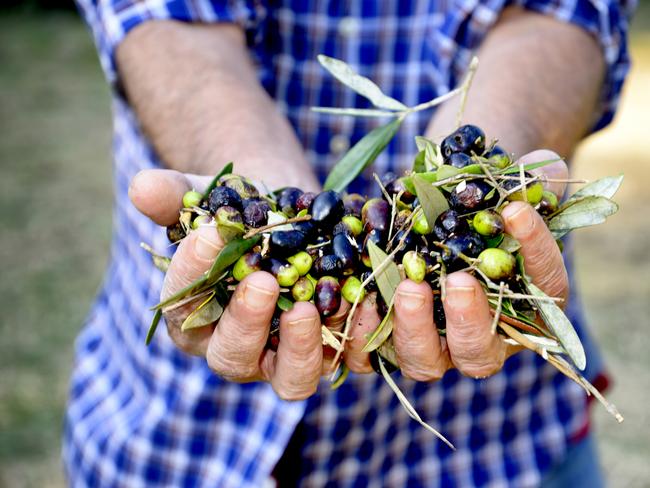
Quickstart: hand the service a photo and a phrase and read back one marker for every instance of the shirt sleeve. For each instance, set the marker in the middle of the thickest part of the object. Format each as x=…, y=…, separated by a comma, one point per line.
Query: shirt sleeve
x=608, y=21
x=111, y=20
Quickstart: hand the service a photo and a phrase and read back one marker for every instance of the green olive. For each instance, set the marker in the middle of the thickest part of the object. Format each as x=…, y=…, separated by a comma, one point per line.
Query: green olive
x=247, y=264
x=353, y=224
x=303, y=290
x=488, y=223
x=302, y=261
x=415, y=266
x=351, y=288
x=191, y=199
x=420, y=224
x=534, y=193
x=497, y=264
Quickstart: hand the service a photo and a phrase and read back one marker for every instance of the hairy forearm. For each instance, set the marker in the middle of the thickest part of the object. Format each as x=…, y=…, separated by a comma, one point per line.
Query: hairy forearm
x=196, y=94
x=537, y=85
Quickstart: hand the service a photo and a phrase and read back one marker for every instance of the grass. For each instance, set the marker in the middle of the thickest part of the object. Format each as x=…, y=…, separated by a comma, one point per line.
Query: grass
x=55, y=196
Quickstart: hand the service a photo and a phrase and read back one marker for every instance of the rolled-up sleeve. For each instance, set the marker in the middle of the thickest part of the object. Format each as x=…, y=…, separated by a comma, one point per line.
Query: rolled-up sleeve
x=608, y=21
x=111, y=20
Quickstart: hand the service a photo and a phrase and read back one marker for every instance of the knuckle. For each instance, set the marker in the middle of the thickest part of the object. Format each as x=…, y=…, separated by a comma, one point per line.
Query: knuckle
x=358, y=365
x=422, y=374
x=294, y=393
x=480, y=370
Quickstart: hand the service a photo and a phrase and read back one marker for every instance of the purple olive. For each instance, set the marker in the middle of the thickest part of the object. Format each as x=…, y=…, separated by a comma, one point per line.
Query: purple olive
x=353, y=203
x=223, y=196
x=287, y=242
x=304, y=201
x=327, y=296
x=247, y=264
x=287, y=200
x=326, y=265
x=256, y=212
x=375, y=215
x=326, y=210
x=347, y=253
x=473, y=195
x=449, y=223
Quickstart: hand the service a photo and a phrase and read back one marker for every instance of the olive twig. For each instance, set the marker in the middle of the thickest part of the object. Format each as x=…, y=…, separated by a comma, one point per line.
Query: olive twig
x=264, y=228
x=497, y=311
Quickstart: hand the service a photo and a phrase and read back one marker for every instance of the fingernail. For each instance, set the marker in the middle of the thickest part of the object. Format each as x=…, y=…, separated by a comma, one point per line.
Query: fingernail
x=411, y=301
x=204, y=248
x=255, y=297
x=461, y=296
x=522, y=219
x=302, y=322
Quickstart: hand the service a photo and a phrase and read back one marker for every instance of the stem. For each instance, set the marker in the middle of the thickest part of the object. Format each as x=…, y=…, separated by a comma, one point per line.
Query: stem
x=264, y=228
x=473, y=65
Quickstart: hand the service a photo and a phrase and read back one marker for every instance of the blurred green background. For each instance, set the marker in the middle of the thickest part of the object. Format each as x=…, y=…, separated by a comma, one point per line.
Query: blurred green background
x=55, y=210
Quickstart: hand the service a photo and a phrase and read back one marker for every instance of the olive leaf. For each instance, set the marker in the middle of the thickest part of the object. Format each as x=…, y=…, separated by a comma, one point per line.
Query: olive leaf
x=360, y=84
x=432, y=200
x=354, y=112
x=604, y=187
x=206, y=313
x=418, y=163
x=154, y=325
x=381, y=333
x=432, y=155
x=509, y=244
x=516, y=168
x=360, y=156
x=560, y=325
x=407, y=405
x=226, y=170
x=284, y=303
x=385, y=270
x=590, y=210
x=387, y=352
x=344, y=371
x=159, y=261
x=196, y=286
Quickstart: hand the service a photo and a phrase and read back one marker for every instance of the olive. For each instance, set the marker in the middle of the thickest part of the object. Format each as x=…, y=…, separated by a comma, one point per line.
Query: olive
x=375, y=214
x=420, y=224
x=287, y=242
x=229, y=223
x=410, y=242
x=286, y=274
x=256, y=213
x=548, y=204
x=387, y=180
x=192, y=198
x=469, y=244
x=498, y=157
x=304, y=201
x=175, y=232
x=325, y=265
x=372, y=284
x=302, y=261
x=377, y=238
x=223, y=196
x=247, y=264
x=439, y=317
x=374, y=362
x=351, y=225
x=201, y=220
x=303, y=290
x=467, y=139
x=534, y=190
x=327, y=296
x=399, y=186
x=243, y=186
x=488, y=223
x=415, y=266
x=472, y=195
x=459, y=160
x=326, y=210
x=497, y=264
x=448, y=223
x=287, y=200
x=273, y=340
x=351, y=288
x=307, y=227
x=353, y=203
x=345, y=249
x=401, y=218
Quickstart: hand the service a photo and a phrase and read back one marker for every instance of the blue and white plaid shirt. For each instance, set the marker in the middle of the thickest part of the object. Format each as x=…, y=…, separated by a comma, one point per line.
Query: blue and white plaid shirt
x=152, y=416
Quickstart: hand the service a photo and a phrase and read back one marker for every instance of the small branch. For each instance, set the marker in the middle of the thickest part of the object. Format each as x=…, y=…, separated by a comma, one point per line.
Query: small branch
x=473, y=65
x=497, y=312
x=264, y=228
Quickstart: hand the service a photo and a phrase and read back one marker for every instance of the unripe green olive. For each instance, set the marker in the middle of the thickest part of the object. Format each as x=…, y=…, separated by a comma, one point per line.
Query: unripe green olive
x=201, y=220
x=351, y=288
x=534, y=193
x=353, y=224
x=287, y=275
x=303, y=290
x=488, y=223
x=229, y=223
x=302, y=261
x=497, y=264
x=247, y=264
x=415, y=266
x=191, y=199
x=420, y=224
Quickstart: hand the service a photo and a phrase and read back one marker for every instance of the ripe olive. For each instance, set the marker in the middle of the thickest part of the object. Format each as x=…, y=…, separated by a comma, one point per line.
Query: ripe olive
x=327, y=296
x=488, y=223
x=448, y=223
x=223, y=196
x=326, y=210
x=287, y=242
x=247, y=264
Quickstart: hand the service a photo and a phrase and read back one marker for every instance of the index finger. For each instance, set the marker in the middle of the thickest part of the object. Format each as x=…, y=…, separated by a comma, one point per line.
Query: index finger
x=555, y=171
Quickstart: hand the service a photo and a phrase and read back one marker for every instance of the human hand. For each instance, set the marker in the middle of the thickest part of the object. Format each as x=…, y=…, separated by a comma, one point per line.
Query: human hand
x=469, y=344
x=235, y=349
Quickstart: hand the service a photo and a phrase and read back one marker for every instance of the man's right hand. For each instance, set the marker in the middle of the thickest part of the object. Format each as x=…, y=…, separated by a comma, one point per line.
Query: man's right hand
x=235, y=350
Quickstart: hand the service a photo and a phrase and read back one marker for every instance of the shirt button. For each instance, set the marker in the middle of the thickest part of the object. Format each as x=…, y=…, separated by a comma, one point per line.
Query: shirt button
x=339, y=144
x=349, y=26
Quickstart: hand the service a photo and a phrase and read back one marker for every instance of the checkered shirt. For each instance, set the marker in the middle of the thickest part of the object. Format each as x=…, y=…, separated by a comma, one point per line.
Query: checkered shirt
x=151, y=416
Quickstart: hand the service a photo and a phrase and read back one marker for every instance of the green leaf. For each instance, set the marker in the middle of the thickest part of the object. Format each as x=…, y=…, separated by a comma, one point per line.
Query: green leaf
x=354, y=112
x=587, y=211
x=432, y=156
x=418, y=163
x=159, y=261
x=432, y=200
x=360, y=84
x=509, y=244
x=229, y=255
x=206, y=313
x=197, y=286
x=604, y=187
x=340, y=379
x=154, y=325
x=381, y=333
x=284, y=303
x=515, y=168
x=385, y=270
x=561, y=327
x=360, y=156
x=226, y=170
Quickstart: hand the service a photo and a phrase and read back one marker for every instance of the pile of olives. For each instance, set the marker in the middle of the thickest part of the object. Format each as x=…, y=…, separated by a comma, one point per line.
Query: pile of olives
x=321, y=253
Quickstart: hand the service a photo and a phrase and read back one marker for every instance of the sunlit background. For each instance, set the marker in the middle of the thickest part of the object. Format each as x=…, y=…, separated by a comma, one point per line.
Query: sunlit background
x=55, y=216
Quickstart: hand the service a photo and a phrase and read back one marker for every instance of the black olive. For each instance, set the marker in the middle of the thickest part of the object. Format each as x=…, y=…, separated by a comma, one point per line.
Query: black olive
x=327, y=296
x=326, y=265
x=287, y=242
x=223, y=196
x=346, y=252
x=326, y=210
x=448, y=223
x=469, y=244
